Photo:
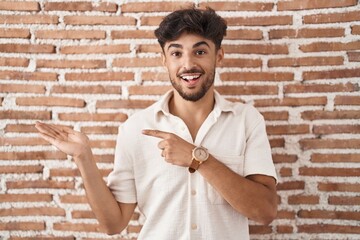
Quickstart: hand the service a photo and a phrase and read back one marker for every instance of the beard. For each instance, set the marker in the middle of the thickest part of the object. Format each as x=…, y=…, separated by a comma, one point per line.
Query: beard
x=193, y=97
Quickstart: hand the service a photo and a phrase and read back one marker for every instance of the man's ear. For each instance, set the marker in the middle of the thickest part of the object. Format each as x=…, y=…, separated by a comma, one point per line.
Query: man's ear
x=219, y=55
x=163, y=58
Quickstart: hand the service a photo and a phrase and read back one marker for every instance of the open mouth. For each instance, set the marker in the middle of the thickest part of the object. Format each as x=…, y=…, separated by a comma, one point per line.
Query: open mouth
x=190, y=77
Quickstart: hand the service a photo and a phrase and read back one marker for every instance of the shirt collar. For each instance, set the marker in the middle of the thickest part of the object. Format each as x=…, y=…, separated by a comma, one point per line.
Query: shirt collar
x=221, y=104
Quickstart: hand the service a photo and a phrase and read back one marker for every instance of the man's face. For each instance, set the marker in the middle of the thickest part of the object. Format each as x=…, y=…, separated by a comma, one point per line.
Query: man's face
x=191, y=61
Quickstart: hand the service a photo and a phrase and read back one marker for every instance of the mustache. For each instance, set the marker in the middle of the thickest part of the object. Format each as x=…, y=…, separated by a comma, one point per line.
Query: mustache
x=192, y=70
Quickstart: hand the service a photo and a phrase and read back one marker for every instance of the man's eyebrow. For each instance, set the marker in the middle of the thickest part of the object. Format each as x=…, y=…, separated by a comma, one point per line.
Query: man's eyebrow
x=200, y=43
x=175, y=45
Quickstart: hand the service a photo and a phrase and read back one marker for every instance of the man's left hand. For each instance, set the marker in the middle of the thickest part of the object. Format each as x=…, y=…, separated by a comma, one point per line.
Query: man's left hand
x=175, y=150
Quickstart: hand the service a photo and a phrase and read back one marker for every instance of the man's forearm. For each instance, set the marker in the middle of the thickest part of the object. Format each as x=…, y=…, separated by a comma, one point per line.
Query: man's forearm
x=255, y=197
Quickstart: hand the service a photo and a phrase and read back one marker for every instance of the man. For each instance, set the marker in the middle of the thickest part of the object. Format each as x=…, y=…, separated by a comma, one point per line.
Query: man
x=196, y=165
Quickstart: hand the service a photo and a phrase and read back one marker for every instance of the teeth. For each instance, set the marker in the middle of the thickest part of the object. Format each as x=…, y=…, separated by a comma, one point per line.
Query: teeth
x=190, y=77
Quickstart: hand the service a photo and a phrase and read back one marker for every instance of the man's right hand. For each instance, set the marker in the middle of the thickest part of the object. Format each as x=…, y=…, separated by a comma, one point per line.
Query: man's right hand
x=67, y=140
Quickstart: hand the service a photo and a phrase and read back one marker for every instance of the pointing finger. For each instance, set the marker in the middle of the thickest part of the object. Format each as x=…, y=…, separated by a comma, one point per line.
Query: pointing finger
x=156, y=133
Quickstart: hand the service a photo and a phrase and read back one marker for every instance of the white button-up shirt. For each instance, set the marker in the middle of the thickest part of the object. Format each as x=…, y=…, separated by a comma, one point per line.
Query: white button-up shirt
x=177, y=204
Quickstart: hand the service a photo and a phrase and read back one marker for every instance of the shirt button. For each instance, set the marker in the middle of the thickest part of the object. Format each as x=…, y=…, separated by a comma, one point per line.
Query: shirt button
x=193, y=226
x=193, y=192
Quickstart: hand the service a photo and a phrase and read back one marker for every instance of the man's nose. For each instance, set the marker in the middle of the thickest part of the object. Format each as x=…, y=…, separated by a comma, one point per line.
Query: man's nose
x=188, y=62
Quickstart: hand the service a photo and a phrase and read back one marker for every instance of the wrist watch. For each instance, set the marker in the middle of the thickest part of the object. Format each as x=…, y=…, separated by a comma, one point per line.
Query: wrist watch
x=199, y=155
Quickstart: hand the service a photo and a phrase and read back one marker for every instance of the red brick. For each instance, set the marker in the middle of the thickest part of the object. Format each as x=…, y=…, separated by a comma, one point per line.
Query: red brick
x=151, y=20
x=305, y=61
x=94, y=89
x=155, y=76
x=258, y=229
x=330, y=46
x=238, y=6
x=100, y=130
x=26, y=197
x=96, y=117
x=284, y=158
x=289, y=101
x=100, y=76
x=334, y=172
x=123, y=104
x=40, y=184
x=73, y=199
x=103, y=144
x=278, y=115
x=29, y=19
x=50, y=101
x=307, y=144
x=88, y=49
x=287, y=129
x=104, y=158
x=21, y=75
x=332, y=74
x=83, y=64
x=148, y=48
x=82, y=214
x=33, y=115
x=137, y=62
x=99, y=20
x=265, y=49
x=148, y=90
x=285, y=172
x=259, y=21
x=241, y=63
x=326, y=88
x=291, y=185
x=247, y=90
x=277, y=143
x=14, y=62
x=355, y=30
x=80, y=6
x=333, y=129
x=39, y=211
x=282, y=214
x=22, y=141
x=133, y=229
x=310, y=4
x=154, y=6
x=328, y=228
x=27, y=48
x=322, y=214
x=347, y=16
x=284, y=229
x=327, y=158
x=306, y=33
x=22, y=88
x=354, y=56
x=22, y=226
x=244, y=34
x=344, y=200
x=65, y=172
x=343, y=114
x=130, y=34
x=347, y=100
x=76, y=227
x=39, y=155
x=14, y=32
x=19, y=6
x=257, y=76
x=303, y=199
x=23, y=170
x=20, y=128
x=339, y=187
x=70, y=34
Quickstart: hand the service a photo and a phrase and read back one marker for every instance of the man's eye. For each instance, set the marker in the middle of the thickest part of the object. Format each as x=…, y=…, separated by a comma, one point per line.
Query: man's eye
x=176, y=54
x=200, y=52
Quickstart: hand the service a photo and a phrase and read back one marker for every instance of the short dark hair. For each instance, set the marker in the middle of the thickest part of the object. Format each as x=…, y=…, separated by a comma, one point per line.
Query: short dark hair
x=204, y=22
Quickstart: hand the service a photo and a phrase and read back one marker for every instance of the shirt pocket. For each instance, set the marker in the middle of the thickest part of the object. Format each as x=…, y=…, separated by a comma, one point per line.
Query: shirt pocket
x=236, y=164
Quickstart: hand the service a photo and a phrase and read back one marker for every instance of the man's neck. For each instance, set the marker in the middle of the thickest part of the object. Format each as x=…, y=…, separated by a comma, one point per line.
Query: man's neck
x=192, y=113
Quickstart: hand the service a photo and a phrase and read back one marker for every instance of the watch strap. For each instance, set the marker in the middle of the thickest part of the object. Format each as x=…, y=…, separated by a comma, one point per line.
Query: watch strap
x=194, y=165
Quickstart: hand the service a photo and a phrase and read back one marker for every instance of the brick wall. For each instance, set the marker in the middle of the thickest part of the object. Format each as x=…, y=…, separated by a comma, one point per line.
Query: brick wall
x=92, y=64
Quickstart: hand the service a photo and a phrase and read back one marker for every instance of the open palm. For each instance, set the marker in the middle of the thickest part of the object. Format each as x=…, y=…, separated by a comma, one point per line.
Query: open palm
x=67, y=140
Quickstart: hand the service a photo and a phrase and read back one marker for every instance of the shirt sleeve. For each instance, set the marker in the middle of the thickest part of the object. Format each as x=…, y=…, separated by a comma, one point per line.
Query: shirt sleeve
x=121, y=180
x=258, y=158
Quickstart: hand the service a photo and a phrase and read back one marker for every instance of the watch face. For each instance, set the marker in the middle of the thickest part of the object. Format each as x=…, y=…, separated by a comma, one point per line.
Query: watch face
x=201, y=154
